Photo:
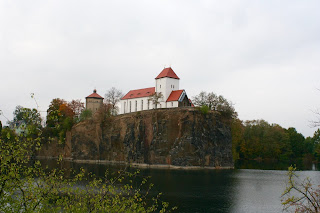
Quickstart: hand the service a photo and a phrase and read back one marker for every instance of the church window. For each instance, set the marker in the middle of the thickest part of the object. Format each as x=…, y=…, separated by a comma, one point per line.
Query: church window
x=130, y=106
x=136, y=105
x=148, y=104
x=141, y=104
x=172, y=104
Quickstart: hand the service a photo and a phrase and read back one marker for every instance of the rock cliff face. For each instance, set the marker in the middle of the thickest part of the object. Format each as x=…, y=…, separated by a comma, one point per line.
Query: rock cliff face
x=178, y=137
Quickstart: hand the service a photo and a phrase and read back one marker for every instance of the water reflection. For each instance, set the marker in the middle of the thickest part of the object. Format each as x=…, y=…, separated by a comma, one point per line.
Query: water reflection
x=258, y=191
x=300, y=164
x=240, y=190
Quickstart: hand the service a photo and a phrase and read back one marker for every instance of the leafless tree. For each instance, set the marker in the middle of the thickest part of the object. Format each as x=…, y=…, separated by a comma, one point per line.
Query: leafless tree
x=112, y=98
x=154, y=98
x=77, y=107
x=316, y=122
x=300, y=195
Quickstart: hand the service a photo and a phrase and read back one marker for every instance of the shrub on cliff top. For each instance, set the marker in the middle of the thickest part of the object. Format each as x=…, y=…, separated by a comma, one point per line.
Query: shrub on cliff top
x=204, y=109
x=215, y=103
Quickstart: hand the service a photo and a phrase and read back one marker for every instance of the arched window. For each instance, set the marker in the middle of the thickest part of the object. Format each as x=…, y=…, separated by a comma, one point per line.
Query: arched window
x=136, y=106
x=141, y=104
x=130, y=106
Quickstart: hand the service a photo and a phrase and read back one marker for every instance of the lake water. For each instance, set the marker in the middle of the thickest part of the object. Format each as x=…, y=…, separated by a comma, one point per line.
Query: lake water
x=238, y=190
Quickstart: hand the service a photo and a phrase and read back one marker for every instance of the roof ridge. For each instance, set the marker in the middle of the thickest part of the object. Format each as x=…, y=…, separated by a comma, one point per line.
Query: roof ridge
x=94, y=95
x=175, y=95
x=167, y=72
x=139, y=93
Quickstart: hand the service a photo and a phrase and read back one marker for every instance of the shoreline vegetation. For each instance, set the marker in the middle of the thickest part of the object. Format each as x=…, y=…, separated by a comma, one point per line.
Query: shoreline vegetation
x=28, y=187
x=260, y=141
x=263, y=164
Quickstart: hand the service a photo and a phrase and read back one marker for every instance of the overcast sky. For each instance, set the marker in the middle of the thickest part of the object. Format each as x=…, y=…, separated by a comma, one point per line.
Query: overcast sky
x=264, y=56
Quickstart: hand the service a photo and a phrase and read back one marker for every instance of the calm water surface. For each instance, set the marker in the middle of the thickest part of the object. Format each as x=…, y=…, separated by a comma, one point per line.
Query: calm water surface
x=239, y=190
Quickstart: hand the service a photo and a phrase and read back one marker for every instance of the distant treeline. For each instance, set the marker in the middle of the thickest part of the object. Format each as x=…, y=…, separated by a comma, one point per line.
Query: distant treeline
x=258, y=139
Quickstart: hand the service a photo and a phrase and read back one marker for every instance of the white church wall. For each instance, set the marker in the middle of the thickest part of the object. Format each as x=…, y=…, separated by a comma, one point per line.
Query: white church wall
x=171, y=84
x=140, y=104
x=166, y=85
x=172, y=104
x=137, y=104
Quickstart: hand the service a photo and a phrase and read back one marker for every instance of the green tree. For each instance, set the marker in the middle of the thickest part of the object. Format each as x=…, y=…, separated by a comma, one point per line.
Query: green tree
x=309, y=146
x=215, y=103
x=28, y=120
x=28, y=116
x=237, y=131
x=60, y=118
x=297, y=142
x=85, y=115
x=257, y=139
x=53, y=113
x=316, y=144
x=8, y=135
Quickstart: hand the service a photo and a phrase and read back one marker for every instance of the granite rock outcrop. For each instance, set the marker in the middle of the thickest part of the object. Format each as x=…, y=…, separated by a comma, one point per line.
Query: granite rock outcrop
x=178, y=137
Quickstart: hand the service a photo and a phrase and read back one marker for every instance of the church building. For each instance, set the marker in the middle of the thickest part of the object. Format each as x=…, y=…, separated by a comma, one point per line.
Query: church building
x=166, y=83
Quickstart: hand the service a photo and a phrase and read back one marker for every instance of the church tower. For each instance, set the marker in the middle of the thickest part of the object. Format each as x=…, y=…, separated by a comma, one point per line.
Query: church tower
x=166, y=82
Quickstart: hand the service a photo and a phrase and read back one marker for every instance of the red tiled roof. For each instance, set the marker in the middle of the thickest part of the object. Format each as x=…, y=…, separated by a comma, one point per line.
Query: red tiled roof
x=167, y=72
x=174, y=95
x=139, y=93
x=94, y=95
x=191, y=103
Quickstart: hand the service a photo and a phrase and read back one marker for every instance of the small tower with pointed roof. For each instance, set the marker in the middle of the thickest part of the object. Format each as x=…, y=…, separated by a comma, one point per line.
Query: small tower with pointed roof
x=94, y=101
x=166, y=82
